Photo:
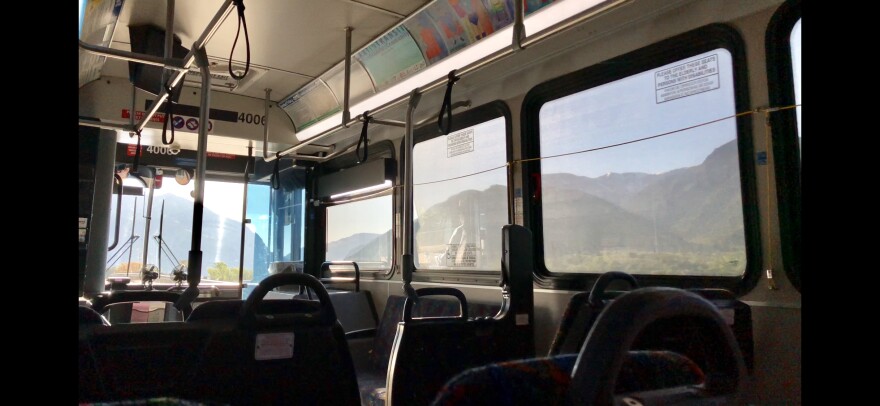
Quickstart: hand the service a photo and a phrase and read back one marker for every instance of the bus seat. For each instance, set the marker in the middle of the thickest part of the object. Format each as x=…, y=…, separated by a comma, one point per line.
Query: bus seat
x=88, y=316
x=216, y=309
x=545, y=380
x=579, y=315
x=623, y=355
x=428, y=352
x=372, y=373
x=354, y=309
x=230, y=309
x=651, y=319
x=288, y=351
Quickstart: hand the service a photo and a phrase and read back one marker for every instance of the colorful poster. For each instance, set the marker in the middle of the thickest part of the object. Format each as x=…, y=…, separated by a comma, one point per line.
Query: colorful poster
x=451, y=29
x=535, y=5
x=394, y=57
x=427, y=37
x=310, y=104
x=474, y=16
x=500, y=12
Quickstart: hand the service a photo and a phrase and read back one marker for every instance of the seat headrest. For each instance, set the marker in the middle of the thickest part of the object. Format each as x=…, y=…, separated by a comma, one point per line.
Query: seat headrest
x=670, y=311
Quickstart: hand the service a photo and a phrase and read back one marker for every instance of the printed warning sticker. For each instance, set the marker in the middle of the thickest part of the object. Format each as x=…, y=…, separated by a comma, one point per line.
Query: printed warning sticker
x=687, y=79
x=460, y=142
x=274, y=346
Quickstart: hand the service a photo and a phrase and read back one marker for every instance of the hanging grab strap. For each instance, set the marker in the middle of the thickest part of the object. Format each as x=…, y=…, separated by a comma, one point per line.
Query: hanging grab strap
x=446, y=107
x=169, y=116
x=137, y=154
x=239, y=4
x=363, y=138
x=276, y=180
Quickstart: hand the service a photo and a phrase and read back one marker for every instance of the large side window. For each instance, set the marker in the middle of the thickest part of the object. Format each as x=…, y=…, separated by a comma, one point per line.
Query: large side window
x=642, y=171
x=783, y=43
x=356, y=219
x=361, y=231
x=460, y=192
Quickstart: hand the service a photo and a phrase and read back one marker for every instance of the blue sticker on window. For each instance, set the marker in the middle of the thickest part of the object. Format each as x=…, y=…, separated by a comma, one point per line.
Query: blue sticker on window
x=762, y=158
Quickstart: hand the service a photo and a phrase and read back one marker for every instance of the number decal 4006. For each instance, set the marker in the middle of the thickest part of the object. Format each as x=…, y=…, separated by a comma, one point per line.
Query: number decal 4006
x=252, y=118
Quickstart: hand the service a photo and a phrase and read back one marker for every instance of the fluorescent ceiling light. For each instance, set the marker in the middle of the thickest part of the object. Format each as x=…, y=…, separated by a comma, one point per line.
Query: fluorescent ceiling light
x=362, y=191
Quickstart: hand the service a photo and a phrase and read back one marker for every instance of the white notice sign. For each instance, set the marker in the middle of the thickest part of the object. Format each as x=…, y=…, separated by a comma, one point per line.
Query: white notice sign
x=274, y=346
x=459, y=143
x=687, y=79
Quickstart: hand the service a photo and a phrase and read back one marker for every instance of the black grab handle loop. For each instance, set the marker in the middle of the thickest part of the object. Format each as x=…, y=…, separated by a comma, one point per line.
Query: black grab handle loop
x=137, y=154
x=239, y=4
x=446, y=107
x=276, y=180
x=169, y=116
x=363, y=139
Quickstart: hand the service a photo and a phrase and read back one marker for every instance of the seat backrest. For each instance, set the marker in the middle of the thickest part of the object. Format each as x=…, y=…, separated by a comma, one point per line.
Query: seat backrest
x=579, y=317
x=87, y=316
x=644, y=319
x=427, y=307
x=428, y=352
x=354, y=309
x=131, y=361
x=289, y=351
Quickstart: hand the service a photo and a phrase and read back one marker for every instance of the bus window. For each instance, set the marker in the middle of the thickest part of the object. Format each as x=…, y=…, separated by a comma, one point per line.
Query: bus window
x=642, y=174
x=275, y=229
x=257, y=237
x=783, y=44
x=361, y=231
x=172, y=209
x=460, y=198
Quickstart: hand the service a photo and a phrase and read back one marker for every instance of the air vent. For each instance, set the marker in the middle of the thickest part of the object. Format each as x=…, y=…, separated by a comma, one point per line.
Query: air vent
x=221, y=79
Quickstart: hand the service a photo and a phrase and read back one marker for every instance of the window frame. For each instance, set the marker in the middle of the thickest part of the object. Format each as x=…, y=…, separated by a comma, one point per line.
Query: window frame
x=428, y=131
x=650, y=57
x=383, y=273
x=316, y=215
x=786, y=151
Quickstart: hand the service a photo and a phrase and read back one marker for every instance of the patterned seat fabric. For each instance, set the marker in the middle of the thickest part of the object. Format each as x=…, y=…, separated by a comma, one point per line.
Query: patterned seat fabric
x=524, y=382
x=650, y=370
x=162, y=401
x=545, y=380
x=575, y=307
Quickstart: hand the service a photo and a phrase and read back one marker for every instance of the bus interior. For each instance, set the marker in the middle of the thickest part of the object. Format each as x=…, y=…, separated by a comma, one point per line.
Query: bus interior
x=444, y=202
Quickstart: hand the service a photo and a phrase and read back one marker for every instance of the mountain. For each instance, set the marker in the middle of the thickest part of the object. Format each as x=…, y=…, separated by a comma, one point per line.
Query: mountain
x=700, y=205
x=340, y=249
x=685, y=220
x=376, y=249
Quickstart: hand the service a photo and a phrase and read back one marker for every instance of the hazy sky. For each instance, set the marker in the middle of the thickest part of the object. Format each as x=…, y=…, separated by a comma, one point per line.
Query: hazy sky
x=628, y=109
x=366, y=216
x=432, y=163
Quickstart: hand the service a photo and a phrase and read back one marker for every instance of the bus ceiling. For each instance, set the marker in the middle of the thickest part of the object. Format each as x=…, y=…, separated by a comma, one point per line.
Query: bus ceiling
x=343, y=58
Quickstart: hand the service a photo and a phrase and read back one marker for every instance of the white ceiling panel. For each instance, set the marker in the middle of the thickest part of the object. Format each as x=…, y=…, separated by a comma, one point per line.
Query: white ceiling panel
x=293, y=41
